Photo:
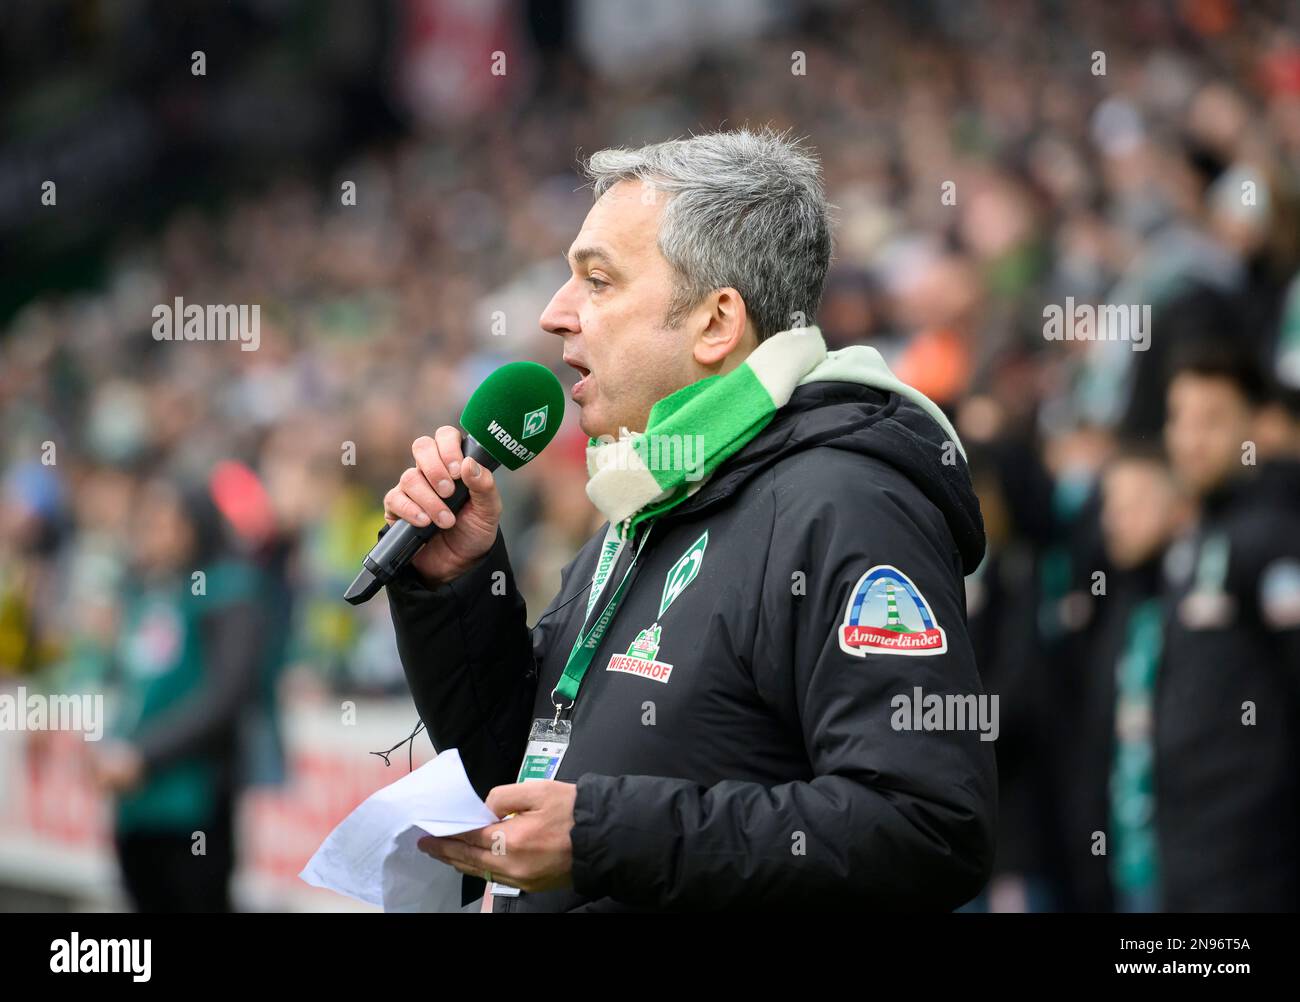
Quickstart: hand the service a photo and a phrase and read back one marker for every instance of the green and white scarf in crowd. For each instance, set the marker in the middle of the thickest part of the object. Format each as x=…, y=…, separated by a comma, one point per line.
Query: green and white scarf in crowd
x=692, y=432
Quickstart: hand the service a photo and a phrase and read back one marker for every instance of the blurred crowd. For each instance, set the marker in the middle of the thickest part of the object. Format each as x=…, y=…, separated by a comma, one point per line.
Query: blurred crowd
x=985, y=160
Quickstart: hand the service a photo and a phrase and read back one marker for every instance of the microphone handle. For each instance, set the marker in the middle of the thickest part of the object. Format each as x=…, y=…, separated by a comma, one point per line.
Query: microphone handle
x=399, y=542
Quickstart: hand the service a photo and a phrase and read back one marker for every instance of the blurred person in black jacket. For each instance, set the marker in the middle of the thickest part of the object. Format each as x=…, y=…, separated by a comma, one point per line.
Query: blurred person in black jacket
x=1226, y=696
x=1110, y=776
x=1001, y=596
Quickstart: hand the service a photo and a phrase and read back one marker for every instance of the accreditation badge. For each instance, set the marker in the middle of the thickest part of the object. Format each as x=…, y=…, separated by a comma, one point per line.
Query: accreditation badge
x=547, y=743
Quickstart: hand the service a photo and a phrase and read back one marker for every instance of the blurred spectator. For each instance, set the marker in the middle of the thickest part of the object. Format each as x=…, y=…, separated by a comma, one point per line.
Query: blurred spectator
x=189, y=665
x=1227, y=757
x=1111, y=753
x=1001, y=599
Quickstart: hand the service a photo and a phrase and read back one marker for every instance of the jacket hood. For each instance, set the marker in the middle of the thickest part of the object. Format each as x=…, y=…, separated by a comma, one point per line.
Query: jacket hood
x=869, y=421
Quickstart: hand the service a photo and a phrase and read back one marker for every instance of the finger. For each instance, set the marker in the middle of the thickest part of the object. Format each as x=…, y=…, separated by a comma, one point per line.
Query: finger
x=398, y=505
x=503, y=800
x=482, y=487
x=480, y=838
x=448, y=439
x=447, y=849
x=429, y=460
x=462, y=868
x=417, y=488
x=430, y=846
x=497, y=878
x=473, y=859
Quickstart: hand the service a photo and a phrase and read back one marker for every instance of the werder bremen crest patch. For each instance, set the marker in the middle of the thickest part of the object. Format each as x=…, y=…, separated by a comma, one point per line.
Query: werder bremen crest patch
x=683, y=572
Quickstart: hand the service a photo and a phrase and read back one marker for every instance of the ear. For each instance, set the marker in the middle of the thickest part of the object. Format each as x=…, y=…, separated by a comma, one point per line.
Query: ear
x=726, y=333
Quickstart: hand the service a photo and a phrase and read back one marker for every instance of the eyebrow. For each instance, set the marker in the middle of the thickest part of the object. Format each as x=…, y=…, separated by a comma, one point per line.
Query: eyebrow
x=581, y=255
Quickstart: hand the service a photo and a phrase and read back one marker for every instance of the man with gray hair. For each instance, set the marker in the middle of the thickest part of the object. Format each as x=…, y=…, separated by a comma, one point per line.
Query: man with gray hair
x=707, y=713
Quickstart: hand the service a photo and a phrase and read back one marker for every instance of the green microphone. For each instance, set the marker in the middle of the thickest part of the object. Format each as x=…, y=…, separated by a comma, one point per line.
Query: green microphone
x=510, y=418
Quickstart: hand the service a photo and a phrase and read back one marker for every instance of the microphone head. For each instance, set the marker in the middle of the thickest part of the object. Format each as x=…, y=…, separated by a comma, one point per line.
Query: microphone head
x=515, y=412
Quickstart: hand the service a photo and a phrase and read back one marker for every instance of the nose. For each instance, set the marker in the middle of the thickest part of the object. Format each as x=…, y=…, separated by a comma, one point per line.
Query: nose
x=561, y=313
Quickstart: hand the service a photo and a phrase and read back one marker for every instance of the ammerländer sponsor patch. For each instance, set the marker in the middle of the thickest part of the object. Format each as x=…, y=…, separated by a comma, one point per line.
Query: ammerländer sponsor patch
x=887, y=614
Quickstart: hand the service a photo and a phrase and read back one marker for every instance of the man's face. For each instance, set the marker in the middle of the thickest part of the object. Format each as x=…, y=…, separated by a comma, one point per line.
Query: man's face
x=1137, y=513
x=1207, y=423
x=611, y=311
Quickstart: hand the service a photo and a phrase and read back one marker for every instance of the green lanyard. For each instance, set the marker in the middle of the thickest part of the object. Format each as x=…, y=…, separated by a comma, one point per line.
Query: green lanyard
x=584, y=648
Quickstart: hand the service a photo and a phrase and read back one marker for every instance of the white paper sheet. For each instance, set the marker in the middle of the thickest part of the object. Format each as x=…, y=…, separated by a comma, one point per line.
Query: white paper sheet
x=372, y=856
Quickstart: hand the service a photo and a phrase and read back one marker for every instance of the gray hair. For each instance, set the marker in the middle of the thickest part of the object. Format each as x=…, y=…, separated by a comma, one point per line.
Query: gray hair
x=745, y=210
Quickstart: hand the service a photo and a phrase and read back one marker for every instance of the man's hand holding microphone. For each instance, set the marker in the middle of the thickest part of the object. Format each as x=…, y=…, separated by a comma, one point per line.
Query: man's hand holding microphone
x=419, y=497
x=445, y=510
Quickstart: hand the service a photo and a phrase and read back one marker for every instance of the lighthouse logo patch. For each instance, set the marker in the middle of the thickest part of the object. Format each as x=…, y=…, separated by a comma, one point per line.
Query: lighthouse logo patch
x=887, y=614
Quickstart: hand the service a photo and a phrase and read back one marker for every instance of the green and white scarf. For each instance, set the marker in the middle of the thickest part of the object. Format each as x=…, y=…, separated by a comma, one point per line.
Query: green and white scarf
x=695, y=430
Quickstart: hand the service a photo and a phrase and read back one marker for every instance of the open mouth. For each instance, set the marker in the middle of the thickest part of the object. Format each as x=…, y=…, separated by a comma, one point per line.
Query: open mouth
x=583, y=375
